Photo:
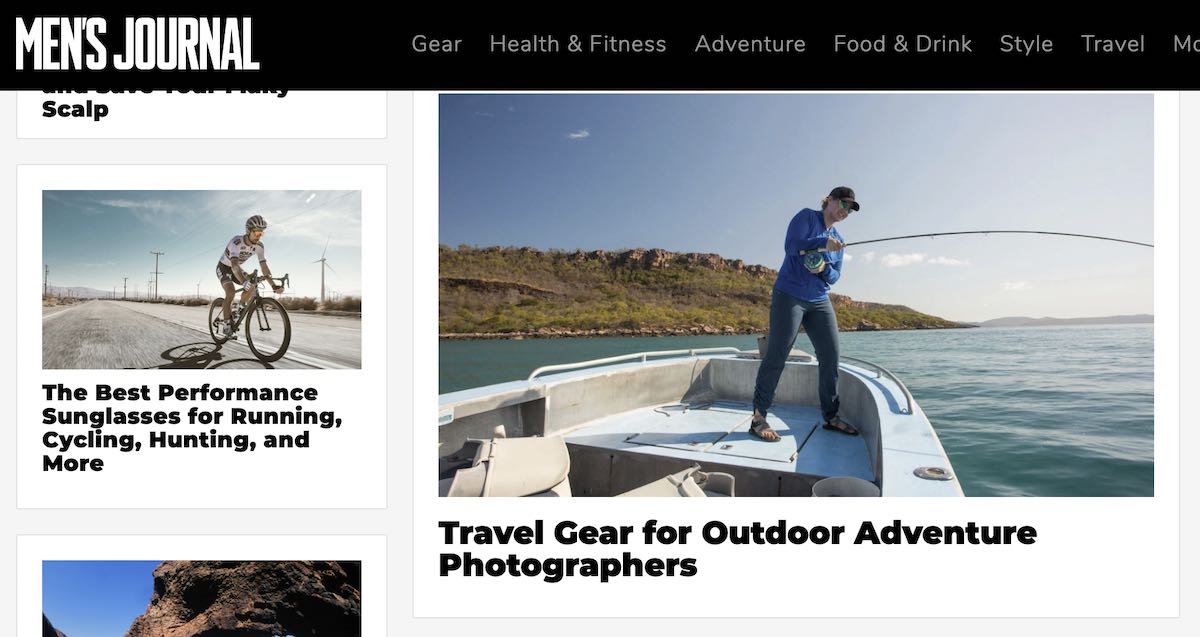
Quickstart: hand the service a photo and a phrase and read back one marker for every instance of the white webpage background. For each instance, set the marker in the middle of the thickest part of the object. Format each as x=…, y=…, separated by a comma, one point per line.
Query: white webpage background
x=605, y=611
x=343, y=467
x=175, y=519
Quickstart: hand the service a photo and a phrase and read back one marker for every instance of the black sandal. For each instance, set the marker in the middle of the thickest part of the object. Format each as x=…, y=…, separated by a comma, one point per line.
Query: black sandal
x=760, y=429
x=840, y=426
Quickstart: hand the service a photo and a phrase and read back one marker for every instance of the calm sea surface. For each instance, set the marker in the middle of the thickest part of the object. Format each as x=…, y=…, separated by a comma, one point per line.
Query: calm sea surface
x=1033, y=411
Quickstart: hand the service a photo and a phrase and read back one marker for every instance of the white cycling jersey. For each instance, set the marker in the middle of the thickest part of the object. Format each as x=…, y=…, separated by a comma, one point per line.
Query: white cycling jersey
x=241, y=250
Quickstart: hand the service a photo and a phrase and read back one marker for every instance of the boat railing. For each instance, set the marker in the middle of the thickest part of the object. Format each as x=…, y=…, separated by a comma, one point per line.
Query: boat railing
x=880, y=370
x=642, y=356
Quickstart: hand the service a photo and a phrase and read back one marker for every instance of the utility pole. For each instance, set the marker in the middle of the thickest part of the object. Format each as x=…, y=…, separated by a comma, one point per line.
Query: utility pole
x=125, y=288
x=197, y=290
x=46, y=281
x=156, y=272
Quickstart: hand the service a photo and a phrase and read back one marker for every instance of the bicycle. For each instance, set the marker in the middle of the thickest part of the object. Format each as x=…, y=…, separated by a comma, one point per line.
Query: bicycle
x=270, y=317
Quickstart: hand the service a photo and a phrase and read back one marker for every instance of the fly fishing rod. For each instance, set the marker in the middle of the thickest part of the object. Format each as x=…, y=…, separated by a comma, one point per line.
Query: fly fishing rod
x=945, y=234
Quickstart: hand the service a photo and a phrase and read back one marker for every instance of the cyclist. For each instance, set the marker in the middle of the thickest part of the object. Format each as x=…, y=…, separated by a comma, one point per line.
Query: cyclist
x=229, y=268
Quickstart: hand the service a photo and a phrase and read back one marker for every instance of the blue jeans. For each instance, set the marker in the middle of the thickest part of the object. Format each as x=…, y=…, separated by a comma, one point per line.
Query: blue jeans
x=820, y=322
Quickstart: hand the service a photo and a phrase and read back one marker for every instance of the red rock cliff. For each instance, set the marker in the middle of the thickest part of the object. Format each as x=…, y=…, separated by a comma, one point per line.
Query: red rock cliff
x=236, y=599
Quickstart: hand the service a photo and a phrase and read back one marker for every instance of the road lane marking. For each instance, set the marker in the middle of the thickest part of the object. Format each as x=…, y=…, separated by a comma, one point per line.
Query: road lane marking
x=46, y=317
x=297, y=357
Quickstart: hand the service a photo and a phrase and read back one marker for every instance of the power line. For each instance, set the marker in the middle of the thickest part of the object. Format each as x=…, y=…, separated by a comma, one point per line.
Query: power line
x=276, y=224
x=321, y=207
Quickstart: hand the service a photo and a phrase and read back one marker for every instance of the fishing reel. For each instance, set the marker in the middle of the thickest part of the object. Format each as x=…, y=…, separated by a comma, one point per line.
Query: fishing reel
x=813, y=260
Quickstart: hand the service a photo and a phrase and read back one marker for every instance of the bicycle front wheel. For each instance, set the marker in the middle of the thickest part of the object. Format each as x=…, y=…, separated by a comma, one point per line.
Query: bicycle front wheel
x=268, y=330
x=215, y=318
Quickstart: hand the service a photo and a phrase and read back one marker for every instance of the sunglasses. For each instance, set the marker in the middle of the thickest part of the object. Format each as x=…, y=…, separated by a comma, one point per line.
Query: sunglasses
x=846, y=204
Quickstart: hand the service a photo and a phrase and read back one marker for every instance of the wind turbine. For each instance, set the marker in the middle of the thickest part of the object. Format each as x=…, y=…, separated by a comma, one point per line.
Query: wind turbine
x=323, y=266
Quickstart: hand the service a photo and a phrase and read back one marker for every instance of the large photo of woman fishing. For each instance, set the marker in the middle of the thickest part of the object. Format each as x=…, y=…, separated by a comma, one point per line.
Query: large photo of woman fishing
x=796, y=295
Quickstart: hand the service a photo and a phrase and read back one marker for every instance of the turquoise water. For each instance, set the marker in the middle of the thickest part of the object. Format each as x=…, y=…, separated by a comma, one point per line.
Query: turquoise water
x=1025, y=411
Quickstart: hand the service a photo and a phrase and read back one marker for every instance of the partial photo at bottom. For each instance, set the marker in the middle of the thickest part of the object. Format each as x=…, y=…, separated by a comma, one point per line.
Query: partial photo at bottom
x=201, y=598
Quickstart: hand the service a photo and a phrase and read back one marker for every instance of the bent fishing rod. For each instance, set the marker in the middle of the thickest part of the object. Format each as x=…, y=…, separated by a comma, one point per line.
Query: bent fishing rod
x=945, y=234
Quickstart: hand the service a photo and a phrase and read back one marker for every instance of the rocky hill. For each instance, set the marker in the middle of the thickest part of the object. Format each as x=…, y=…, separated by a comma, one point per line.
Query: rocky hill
x=1026, y=321
x=500, y=292
x=48, y=629
x=303, y=599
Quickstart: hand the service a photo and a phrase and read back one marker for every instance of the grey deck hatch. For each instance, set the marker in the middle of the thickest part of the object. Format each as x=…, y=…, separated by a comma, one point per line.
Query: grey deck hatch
x=691, y=427
x=722, y=428
x=793, y=425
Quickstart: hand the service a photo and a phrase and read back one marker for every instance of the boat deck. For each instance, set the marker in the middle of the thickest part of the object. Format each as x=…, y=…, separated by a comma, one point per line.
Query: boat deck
x=638, y=419
x=716, y=435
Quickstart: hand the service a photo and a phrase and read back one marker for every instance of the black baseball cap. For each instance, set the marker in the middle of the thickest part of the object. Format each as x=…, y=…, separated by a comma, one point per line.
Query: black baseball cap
x=844, y=192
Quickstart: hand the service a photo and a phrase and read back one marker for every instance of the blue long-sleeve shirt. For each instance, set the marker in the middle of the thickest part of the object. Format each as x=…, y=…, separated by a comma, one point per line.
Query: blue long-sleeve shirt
x=807, y=231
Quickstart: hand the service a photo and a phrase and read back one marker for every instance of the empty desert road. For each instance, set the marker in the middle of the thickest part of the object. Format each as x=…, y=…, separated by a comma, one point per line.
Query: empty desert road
x=127, y=335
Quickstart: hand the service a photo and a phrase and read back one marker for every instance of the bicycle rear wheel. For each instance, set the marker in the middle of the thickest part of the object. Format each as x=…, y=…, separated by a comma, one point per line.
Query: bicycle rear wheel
x=215, y=318
x=268, y=330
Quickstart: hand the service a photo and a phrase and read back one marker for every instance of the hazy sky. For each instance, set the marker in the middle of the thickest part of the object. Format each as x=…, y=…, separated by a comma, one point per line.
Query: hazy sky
x=94, y=238
x=725, y=174
x=96, y=598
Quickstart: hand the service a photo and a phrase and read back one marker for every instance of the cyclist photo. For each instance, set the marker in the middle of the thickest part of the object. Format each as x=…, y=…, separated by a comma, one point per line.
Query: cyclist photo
x=127, y=279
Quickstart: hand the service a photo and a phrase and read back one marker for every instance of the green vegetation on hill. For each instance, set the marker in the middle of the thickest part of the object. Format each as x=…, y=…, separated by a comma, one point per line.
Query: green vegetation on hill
x=523, y=291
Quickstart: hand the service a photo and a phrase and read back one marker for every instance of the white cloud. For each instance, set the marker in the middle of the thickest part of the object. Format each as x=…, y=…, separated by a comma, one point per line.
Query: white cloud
x=159, y=213
x=130, y=204
x=948, y=261
x=869, y=257
x=847, y=257
x=582, y=133
x=893, y=260
x=333, y=216
x=311, y=216
x=1016, y=286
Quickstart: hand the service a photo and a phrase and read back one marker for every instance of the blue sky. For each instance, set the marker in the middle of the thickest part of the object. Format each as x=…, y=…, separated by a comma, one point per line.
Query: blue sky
x=725, y=174
x=96, y=598
x=95, y=238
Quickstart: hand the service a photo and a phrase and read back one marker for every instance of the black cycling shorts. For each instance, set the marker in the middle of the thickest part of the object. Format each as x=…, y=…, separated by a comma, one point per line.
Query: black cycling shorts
x=225, y=273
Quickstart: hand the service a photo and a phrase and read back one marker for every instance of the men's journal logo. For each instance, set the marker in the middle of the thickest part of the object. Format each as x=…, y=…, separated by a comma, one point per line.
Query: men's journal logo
x=165, y=44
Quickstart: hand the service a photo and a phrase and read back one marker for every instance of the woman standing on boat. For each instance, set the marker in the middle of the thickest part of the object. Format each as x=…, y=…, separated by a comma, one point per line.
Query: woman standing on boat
x=801, y=298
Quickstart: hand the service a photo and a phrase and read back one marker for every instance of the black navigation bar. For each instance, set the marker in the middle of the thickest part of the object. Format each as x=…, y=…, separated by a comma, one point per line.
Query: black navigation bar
x=297, y=52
